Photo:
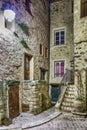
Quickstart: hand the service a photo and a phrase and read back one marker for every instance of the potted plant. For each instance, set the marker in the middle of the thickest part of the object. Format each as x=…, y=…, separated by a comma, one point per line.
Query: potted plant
x=6, y=121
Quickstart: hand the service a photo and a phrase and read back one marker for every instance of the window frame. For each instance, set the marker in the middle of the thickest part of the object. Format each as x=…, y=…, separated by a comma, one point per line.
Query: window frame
x=59, y=75
x=59, y=30
x=41, y=49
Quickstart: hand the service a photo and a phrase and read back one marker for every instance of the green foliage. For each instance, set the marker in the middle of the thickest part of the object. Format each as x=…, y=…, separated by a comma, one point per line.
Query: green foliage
x=16, y=34
x=5, y=118
x=23, y=42
x=24, y=28
x=79, y=98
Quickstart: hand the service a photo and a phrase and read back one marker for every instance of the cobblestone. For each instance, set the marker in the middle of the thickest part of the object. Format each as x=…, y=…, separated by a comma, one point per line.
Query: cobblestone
x=64, y=122
x=47, y=120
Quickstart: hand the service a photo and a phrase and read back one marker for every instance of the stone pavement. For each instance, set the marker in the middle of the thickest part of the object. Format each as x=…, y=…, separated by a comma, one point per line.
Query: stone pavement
x=48, y=120
x=28, y=120
x=64, y=121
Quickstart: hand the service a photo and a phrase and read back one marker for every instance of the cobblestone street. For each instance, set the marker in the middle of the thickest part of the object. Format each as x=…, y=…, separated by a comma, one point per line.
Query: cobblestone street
x=63, y=122
x=47, y=120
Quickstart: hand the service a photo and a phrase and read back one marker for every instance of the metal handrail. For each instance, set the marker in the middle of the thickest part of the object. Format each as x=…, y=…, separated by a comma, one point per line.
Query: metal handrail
x=67, y=78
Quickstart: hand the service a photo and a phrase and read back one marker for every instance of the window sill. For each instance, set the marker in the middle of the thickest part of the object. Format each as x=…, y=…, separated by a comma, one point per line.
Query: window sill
x=60, y=45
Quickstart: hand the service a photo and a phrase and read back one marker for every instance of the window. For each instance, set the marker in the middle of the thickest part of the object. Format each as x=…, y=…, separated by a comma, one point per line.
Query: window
x=46, y=52
x=59, y=37
x=72, y=6
x=41, y=49
x=43, y=73
x=83, y=8
x=59, y=68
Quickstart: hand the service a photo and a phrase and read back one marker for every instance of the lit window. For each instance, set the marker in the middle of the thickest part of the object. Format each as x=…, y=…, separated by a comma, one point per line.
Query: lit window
x=59, y=68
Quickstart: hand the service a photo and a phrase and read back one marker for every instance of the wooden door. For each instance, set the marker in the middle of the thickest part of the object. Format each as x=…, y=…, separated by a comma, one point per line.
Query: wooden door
x=13, y=101
x=55, y=92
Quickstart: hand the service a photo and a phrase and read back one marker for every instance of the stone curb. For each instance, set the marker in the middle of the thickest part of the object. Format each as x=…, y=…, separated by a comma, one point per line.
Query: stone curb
x=40, y=122
x=11, y=127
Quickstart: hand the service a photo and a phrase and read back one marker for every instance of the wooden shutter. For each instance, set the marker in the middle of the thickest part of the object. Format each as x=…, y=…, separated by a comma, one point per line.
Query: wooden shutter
x=83, y=8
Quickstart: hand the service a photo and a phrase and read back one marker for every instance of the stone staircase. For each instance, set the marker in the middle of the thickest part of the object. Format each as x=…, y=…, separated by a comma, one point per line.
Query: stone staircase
x=68, y=99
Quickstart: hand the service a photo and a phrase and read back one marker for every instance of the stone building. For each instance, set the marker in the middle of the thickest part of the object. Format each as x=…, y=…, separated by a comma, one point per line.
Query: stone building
x=23, y=47
x=73, y=96
x=14, y=59
x=61, y=44
x=80, y=45
x=26, y=56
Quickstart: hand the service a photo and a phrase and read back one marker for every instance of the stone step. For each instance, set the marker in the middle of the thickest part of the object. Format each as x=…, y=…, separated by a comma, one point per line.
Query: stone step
x=66, y=109
x=68, y=100
x=70, y=89
x=67, y=104
x=69, y=96
x=69, y=93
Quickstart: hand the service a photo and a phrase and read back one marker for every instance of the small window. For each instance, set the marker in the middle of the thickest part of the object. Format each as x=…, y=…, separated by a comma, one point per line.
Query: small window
x=83, y=8
x=59, y=37
x=43, y=74
x=59, y=68
x=72, y=6
x=46, y=52
x=41, y=49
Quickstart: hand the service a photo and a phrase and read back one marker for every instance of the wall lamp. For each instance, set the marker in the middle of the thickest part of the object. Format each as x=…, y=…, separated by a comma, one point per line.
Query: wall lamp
x=9, y=15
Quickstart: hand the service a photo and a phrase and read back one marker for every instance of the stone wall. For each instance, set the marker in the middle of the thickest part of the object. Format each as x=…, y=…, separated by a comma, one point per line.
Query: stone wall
x=61, y=16
x=35, y=95
x=80, y=46
x=12, y=52
x=80, y=39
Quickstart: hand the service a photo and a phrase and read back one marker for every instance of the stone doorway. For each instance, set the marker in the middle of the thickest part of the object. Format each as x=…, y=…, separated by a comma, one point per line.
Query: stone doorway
x=55, y=92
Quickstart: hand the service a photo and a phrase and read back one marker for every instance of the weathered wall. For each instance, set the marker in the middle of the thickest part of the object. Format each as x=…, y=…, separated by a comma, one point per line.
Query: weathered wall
x=35, y=95
x=80, y=47
x=12, y=52
x=61, y=16
x=80, y=38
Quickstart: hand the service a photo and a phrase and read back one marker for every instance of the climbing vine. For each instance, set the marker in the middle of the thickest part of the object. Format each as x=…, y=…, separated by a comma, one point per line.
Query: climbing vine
x=24, y=28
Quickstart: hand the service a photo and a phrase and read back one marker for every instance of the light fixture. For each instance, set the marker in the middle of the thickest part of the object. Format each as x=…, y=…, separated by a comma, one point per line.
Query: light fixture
x=9, y=15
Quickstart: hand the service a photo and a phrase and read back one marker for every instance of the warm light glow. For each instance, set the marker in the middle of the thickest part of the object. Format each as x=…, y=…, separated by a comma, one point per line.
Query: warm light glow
x=9, y=15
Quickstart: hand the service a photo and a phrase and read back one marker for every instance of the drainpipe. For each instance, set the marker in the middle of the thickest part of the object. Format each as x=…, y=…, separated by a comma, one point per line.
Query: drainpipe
x=48, y=40
x=49, y=45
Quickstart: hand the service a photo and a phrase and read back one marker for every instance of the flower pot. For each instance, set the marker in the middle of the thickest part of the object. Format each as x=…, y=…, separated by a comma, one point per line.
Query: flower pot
x=79, y=105
x=6, y=122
